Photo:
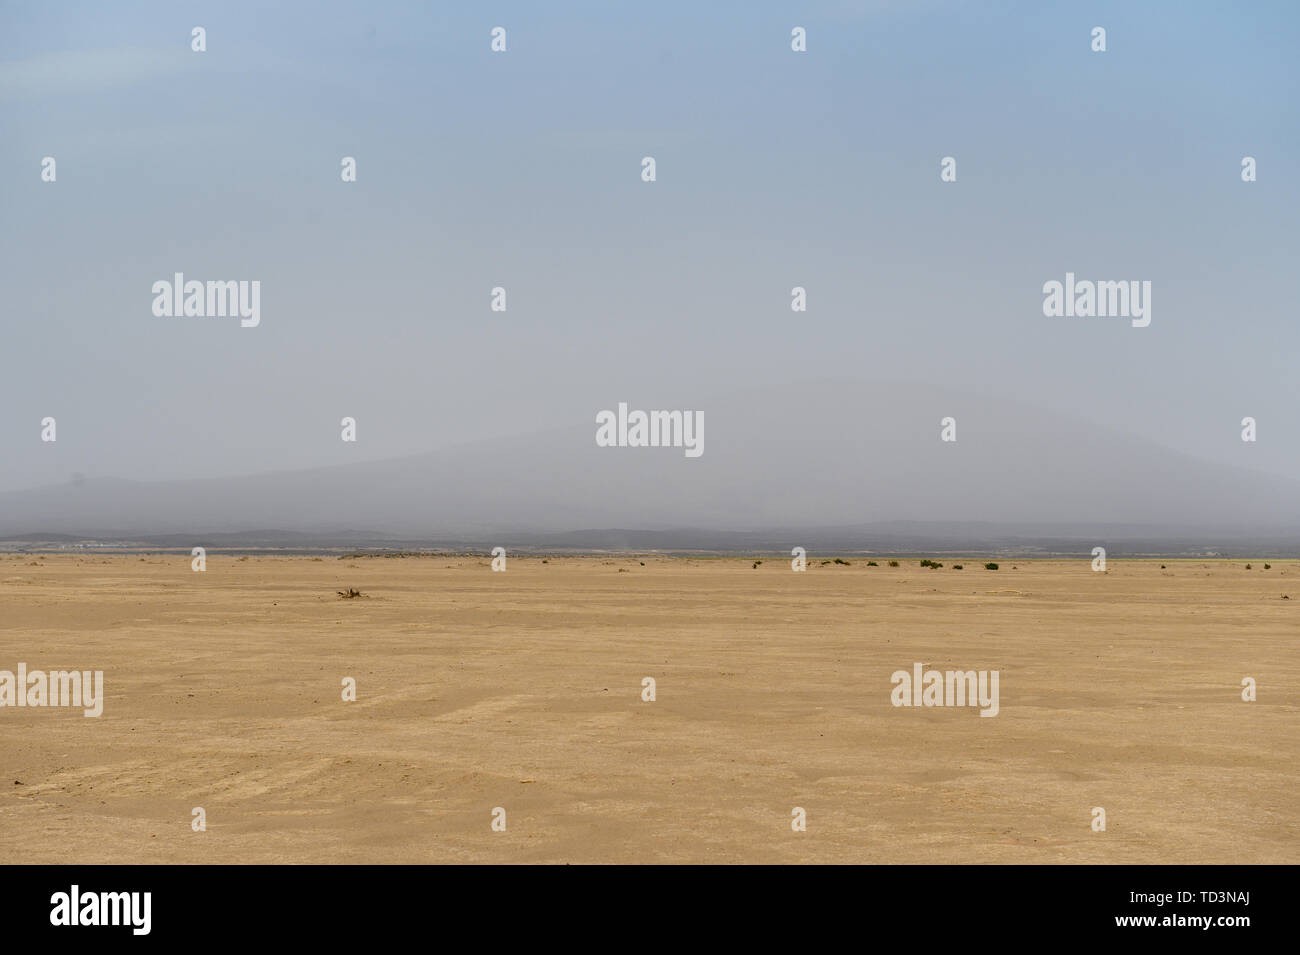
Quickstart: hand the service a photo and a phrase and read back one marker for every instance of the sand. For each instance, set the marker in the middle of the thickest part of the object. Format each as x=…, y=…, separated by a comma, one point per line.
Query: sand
x=523, y=690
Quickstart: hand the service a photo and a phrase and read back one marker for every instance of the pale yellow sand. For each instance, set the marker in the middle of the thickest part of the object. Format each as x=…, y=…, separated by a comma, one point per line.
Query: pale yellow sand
x=523, y=690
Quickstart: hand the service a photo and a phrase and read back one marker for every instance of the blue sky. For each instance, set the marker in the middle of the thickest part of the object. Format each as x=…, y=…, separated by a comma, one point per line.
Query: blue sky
x=521, y=169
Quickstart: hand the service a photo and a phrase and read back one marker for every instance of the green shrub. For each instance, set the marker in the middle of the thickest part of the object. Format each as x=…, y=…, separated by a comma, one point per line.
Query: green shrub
x=956, y=566
x=872, y=563
x=990, y=566
x=893, y=563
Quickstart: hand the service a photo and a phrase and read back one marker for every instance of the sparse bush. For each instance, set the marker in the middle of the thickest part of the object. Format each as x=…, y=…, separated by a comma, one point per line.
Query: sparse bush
x=756, y=563
x=1268, y=566
x=350, y=593
x=1248, y=566
x=839, y=560
x=956, y=566
x=893, y=563
x=990, y=566
x=825, y=562
x=872, y=563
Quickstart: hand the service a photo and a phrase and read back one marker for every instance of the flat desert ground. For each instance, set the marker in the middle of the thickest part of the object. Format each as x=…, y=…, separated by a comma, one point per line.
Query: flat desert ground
x=523, y=690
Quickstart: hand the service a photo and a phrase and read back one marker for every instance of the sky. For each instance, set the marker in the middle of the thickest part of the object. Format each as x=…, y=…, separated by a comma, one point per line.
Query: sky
x=522, y=170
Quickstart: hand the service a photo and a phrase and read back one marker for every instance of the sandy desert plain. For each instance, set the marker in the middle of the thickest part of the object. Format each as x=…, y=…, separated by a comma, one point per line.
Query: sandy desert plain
x=523, y=690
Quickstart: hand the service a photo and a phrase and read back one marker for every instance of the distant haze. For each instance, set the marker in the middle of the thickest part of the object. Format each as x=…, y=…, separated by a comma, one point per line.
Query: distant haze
x=805, y=457
x=775, y=169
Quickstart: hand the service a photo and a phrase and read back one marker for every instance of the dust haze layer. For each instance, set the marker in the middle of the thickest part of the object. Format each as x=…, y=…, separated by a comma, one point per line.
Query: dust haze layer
x=815, y=458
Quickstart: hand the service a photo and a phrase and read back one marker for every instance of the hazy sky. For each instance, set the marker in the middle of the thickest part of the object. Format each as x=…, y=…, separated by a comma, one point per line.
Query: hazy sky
x=479, y=169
